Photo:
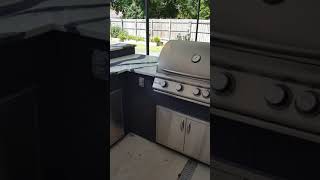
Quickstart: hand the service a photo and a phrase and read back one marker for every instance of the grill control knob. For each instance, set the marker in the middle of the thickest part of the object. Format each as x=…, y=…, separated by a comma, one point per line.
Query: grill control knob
x=276, y=95
x=163, y=83
x=206, y=93
x=306, y=102
x=179, y=87
x=220, y=82
x=196, y=91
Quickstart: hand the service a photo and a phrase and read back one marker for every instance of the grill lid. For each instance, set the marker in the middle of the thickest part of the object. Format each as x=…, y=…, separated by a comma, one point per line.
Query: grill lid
x=185, y=58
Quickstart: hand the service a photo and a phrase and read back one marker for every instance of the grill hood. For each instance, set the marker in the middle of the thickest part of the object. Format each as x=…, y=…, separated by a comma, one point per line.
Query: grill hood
x=185, y=58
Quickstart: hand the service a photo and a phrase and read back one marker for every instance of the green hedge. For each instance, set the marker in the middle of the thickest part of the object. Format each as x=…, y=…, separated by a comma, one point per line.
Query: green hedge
x=117, y=32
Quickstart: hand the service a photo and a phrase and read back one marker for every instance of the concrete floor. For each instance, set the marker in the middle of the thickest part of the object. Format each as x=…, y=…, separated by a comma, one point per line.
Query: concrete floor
x=201, y=172
x=135, y=158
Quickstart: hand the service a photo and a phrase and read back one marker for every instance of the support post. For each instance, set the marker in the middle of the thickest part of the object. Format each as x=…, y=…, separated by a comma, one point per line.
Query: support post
x=146, y=10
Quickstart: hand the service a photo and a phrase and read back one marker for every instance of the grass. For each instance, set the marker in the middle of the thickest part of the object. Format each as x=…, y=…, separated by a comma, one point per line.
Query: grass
x=153, y=49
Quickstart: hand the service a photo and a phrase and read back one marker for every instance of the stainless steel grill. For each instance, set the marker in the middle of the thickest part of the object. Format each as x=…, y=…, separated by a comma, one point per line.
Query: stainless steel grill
x=184, y=71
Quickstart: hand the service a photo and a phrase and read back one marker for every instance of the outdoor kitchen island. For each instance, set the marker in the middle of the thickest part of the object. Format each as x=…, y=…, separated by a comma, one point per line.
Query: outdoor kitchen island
x=136, y=152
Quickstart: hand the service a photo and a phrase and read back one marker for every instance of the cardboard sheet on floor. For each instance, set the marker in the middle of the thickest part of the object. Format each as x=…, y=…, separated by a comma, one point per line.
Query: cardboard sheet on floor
x=135, y=158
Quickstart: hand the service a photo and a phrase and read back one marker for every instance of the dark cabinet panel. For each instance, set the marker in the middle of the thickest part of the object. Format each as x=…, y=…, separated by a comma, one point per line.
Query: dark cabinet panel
x=263, y=150
x=73, y=105
x=19, y=137
x=75, y=118
x=118, y=81
x=72, y=99
x=15, y=67
x=140, y=106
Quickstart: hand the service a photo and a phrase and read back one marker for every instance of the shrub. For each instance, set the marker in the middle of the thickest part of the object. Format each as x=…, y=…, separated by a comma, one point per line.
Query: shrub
x=123, y=35
x=115, y=31
x=157, y=39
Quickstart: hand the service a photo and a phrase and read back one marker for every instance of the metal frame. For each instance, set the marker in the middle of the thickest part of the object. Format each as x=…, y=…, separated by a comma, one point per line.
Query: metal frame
x=198, y=16
x=146, y=9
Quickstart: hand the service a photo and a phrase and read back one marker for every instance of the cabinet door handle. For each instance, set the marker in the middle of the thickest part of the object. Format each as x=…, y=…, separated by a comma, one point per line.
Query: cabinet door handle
x=182, y=125
x=189, y=128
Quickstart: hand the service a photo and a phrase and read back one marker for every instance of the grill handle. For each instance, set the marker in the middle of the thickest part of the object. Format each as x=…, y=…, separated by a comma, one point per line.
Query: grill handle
x=189, y=128
x=185, y=74
x=182, y=126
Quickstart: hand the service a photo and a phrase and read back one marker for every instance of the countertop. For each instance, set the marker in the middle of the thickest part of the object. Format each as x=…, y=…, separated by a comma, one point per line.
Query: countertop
x=119, y=46
x=141, y=64
x=30, y=18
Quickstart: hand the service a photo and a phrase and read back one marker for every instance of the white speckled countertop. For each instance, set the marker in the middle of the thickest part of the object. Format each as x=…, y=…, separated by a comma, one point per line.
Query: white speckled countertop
x=118, y=46
x=141, y=64
x=88, y=18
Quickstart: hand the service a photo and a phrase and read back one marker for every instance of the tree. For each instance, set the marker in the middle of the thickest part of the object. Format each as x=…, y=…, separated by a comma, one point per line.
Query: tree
x=184, y=9
x=163, y=9
x=187, y=9
x=133, y=9
x=205, y=9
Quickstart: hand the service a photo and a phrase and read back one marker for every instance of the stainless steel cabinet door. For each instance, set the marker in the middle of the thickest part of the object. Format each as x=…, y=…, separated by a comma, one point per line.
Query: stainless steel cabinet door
x=195, y=135
x=116, y=116
x=170, y=128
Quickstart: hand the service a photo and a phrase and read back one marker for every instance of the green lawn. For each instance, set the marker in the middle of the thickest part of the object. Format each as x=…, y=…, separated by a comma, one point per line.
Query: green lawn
x=153, y=49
